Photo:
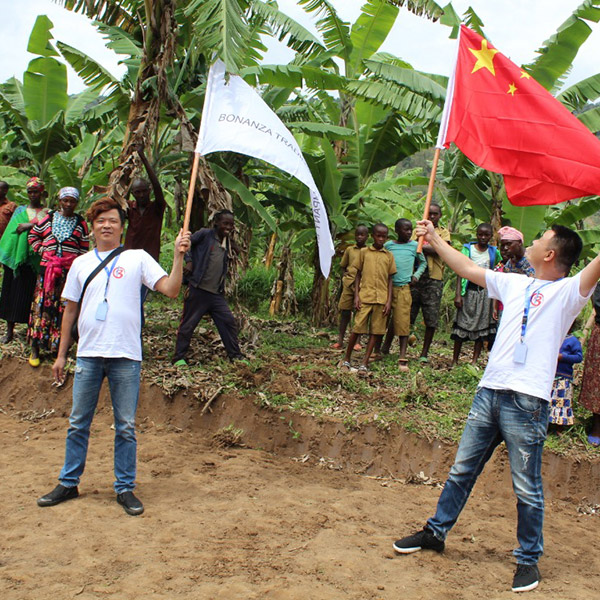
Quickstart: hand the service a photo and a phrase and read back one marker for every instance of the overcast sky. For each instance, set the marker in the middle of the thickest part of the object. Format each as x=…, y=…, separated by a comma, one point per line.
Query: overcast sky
x=516, y=27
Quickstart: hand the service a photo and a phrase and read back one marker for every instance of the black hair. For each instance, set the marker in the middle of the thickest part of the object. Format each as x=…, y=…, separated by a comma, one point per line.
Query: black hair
x=380, y=225
x=486, y=225
x=567, y=246
x=436, y=204
x=363, y=226
x=220, y=214
x=400, y=222
x=5, y=185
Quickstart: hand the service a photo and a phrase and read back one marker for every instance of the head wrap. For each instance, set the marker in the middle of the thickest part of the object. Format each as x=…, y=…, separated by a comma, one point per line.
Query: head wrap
x=68, y=192
x=510, y=233
x=35, y=183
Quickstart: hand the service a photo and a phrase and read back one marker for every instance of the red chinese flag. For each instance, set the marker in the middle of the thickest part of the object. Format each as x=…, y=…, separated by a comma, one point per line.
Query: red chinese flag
x=506, y=122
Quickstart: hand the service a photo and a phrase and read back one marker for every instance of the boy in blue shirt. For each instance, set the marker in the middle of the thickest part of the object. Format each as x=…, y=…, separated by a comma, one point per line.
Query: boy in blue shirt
x=404, y=251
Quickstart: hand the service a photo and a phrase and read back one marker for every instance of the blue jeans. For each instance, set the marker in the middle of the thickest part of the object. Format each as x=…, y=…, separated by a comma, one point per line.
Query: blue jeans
x=123, y=377
x=521, y=422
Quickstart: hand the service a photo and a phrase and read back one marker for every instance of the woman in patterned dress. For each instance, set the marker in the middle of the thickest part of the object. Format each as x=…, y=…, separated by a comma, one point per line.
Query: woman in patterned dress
x=561, y=398
x=59, y=238
x=20, y=263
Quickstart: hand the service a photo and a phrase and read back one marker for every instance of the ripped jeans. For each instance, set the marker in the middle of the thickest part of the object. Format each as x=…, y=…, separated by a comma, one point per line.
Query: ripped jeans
x=521, y=421
x=123, y=376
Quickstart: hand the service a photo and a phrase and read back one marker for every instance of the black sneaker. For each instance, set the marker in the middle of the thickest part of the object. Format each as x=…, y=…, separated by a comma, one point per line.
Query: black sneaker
x=59, y=494
x=131, y=505
x=422, y=540
x=527, y=578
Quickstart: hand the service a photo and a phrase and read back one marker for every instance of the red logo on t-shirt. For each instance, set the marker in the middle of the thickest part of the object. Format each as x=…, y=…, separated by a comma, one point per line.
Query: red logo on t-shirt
x=118, y=272
x=537, y=299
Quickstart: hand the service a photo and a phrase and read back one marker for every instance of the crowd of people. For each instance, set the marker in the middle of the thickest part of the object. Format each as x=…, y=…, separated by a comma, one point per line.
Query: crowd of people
x=388, y=282
x=413, y=280
x=521, y=304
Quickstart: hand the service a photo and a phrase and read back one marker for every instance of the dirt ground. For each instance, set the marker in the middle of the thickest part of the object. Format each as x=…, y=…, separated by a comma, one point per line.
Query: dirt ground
x=245, y=522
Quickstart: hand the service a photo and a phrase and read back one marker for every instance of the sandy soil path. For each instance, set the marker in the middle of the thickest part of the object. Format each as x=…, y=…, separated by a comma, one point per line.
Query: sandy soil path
x=244, y=523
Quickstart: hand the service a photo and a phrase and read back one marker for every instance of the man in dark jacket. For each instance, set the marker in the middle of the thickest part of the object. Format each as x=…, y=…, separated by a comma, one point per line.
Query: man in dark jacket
x=209, y=256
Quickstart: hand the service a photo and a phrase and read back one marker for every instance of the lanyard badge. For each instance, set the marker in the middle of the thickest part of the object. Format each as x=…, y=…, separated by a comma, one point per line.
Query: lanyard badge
x=520, y=354
x=102, y=309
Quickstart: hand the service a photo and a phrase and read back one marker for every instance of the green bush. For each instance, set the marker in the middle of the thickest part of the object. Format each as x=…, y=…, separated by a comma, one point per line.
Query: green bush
x=254, y=287
x=303, y=282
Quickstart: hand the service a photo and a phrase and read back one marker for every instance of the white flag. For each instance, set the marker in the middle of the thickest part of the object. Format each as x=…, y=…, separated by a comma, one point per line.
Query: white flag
x=235, y=118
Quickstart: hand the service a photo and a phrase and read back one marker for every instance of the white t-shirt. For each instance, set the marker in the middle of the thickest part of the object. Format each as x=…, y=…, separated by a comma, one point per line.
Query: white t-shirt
x=551, y=313
x=118, y=336
x=480, y=258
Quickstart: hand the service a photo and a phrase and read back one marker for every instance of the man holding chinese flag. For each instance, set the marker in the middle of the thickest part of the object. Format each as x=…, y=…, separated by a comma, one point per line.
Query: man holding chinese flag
x=506, y=122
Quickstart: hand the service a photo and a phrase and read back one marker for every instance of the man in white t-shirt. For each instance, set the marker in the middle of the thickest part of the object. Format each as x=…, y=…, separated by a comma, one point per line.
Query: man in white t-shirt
x=511, y=402
x=109, y=326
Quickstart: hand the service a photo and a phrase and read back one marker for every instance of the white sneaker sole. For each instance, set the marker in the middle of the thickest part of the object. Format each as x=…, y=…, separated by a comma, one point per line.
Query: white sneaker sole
x=527, y=588
x=406, y=550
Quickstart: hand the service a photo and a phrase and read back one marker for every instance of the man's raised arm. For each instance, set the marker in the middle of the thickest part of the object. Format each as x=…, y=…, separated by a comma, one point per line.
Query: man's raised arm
x=589, y=276
x=170, y=286
x=462, y=265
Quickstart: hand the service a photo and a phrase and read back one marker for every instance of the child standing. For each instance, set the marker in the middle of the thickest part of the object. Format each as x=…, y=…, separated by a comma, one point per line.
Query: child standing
x=561, y=399
x=372, y=294
x=404, y=251
x=346, y=303
x=474, y=308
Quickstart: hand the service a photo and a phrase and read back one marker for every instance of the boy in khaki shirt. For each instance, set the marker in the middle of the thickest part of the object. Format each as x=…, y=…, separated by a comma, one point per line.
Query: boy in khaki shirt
x=346, y=303
x=372, y=295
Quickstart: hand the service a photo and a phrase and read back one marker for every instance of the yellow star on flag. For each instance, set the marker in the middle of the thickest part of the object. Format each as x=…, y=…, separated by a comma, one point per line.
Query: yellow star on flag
x=525, y=75
x=485, y=58
x=512, y=88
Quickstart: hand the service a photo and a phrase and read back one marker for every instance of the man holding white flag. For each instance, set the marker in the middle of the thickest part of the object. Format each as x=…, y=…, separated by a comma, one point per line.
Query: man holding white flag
x=235, y=118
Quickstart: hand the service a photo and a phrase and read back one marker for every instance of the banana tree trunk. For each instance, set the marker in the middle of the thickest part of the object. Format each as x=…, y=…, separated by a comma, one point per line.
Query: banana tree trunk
x=321, y=302
x=497, y=190
x=283, y=296
x=270, y=251
x=160, y=36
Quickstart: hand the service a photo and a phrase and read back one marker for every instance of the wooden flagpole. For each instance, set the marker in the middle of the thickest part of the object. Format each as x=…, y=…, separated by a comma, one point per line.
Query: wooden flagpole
x=436, y=158
x=190, y=197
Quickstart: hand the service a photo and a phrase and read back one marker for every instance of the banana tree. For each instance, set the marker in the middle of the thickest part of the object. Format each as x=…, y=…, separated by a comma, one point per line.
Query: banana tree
x=53, y=135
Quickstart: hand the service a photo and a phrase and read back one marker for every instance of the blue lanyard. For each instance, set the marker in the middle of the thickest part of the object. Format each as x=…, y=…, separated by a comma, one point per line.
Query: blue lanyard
x=107, y=270
x=528, y=298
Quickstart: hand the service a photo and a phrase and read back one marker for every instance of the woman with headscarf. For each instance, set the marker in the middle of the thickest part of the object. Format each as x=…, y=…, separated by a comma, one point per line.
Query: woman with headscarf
x=21, y=263
x=59, y=239
x=511, y=243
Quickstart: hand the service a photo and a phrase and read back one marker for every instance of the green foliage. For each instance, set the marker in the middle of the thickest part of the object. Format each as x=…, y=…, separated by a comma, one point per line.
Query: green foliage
x=235, y=185
x=225, y=31
x=529, y=220
x=44, y=90
x=254, y=287
x=40, y=38
x=558, y=52
x=292, y=76
x=303, y=281
x=371, y=29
